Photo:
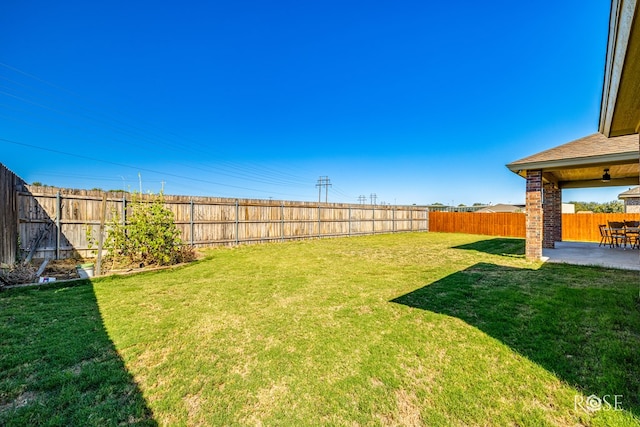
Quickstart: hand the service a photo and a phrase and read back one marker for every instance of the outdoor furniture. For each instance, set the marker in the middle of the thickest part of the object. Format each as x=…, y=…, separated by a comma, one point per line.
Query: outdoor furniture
x=632, y=231
x=618, y=233
x=605, y=236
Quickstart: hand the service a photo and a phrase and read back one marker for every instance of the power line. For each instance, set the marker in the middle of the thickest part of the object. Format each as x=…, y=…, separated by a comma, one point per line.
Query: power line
x=80, y=156
x=337, y=190
x=325, y=182
x=373, y=197
x=269, y=176
x=68, y=105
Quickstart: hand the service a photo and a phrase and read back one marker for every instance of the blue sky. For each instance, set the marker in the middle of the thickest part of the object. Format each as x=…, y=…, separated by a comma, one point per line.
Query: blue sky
x=414, y=101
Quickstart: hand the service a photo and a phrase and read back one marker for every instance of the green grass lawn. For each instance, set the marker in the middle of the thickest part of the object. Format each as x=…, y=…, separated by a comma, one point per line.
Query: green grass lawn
x=407, y=329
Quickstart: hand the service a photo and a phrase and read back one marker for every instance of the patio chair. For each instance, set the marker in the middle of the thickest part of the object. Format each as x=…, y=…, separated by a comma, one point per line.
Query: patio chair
x=605, y=236
x=632, y=231
x=617, y=233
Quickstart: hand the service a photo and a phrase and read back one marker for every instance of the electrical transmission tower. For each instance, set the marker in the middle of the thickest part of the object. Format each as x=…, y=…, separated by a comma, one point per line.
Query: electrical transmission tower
x=362, y=199
x=373, y=197
x=325, y=182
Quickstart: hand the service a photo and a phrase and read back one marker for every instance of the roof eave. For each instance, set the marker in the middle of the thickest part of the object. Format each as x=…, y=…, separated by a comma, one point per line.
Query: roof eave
x=621, y=30
x=549, y=165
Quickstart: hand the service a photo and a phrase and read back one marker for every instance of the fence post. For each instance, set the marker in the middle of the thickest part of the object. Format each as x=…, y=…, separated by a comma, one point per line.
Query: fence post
x=282, y=220
x=426, y=219
x=58, y=223
x=237, y=220
x=124, y=210
x=319, y=223
x=393, y=221
x=411, y=218
x=103, y=218
x=191, y=213
x=374, y=219
x=349, y=232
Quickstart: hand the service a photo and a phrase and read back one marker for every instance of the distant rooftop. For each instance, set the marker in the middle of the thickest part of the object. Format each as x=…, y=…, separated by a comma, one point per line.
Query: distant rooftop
x=501, y=207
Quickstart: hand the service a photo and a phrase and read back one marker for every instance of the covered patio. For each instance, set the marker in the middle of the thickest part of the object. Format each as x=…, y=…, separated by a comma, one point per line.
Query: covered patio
x=608, y=158
x=587, y=253
x=592, y=161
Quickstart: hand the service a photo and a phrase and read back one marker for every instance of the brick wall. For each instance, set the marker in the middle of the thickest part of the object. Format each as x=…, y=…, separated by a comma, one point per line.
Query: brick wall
x=552, y=215
x=534, y=223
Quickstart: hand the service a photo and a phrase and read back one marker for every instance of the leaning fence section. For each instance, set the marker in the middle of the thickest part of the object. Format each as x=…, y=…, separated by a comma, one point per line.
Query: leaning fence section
x=10, y=185
x=63, y=223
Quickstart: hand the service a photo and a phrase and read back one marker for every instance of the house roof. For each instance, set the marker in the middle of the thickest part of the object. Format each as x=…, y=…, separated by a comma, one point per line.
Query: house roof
x=501, y=207
x=587, y=149
x=632, y=192
x=581, y=163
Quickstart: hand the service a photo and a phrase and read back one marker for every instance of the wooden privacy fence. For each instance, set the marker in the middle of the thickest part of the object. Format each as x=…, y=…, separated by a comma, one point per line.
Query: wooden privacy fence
x=10, y=184
x=580, y=227
x=583, y=227
x=491, y=224
x=59, y=223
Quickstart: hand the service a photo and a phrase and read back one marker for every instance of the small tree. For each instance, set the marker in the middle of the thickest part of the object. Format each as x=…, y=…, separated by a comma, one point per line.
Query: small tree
x=149, y=237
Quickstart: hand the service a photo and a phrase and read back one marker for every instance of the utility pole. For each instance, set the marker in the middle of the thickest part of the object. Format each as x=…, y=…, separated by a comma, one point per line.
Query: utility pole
x=373, y=197
x=362, y=199
x=325, y=182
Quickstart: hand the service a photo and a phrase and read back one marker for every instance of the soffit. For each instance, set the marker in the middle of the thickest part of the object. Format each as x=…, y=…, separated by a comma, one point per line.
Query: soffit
x=620, y=108
x=581, y=163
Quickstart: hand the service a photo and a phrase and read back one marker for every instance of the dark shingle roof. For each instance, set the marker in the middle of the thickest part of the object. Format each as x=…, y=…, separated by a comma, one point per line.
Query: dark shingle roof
x=632, y=192
x=590, y=146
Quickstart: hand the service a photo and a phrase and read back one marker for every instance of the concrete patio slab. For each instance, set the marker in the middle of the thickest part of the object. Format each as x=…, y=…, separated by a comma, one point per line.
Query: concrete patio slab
x=582, y=253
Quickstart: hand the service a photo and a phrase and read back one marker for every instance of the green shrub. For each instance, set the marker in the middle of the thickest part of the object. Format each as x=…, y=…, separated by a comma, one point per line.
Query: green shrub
x=149, y=237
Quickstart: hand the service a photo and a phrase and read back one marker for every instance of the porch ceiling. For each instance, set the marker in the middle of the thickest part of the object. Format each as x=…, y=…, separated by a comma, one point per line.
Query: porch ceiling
x=581, y=163
x=620, y=107
x=624, y=174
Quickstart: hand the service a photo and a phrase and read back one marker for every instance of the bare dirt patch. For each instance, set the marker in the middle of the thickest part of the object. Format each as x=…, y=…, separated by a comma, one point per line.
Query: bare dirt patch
x=22, y=400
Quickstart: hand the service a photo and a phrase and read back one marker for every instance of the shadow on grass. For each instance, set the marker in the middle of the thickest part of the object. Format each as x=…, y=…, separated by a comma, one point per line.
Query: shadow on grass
x=581, y=323
x=58, y=365
x=497, y=246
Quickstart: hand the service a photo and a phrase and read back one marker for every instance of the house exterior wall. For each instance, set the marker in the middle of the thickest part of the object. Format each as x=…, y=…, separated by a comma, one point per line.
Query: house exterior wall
x=632, y=205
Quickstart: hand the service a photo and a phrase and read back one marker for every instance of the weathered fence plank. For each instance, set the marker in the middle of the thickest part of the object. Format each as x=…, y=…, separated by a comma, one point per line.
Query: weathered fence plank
x=10, y=185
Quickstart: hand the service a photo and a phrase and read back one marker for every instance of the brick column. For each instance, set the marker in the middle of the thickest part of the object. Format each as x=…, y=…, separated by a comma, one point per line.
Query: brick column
x=552, y=215
x=534, y=225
